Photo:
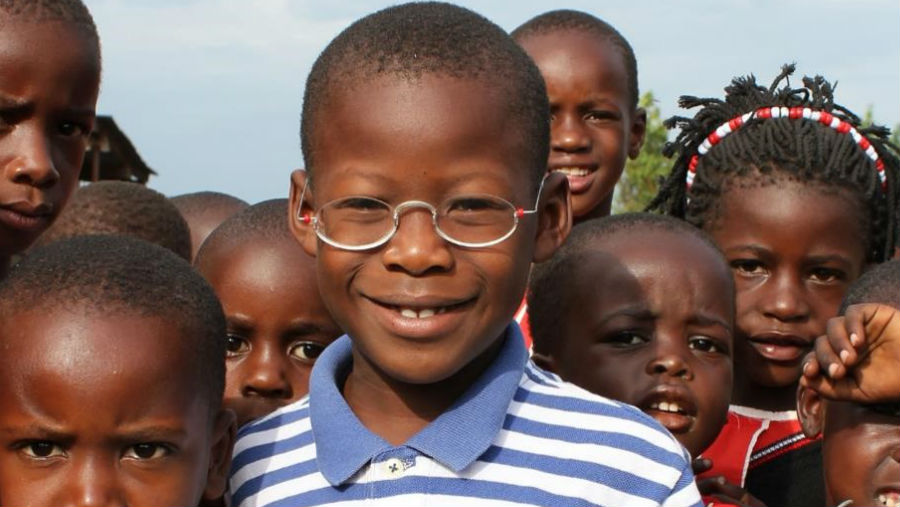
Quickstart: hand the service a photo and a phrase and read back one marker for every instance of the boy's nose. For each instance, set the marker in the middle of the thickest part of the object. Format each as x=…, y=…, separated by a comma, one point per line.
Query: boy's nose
x=33, y=164
x=267, y=375
x=783, y=298
x=416, y=247
x=92, y=484
x=568, y=134
x=670, y=361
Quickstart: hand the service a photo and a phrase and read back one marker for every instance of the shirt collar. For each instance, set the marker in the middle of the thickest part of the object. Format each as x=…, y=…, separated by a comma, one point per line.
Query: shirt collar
x=455, y=439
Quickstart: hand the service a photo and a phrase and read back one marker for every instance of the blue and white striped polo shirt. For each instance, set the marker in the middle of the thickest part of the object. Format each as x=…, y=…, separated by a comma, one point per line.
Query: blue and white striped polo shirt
x=518, y=436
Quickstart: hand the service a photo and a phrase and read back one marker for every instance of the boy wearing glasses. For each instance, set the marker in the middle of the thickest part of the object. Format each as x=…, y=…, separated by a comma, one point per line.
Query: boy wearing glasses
x=425, y=135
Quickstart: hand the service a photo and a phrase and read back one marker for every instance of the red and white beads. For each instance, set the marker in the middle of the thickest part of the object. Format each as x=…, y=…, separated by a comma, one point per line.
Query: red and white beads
x=825, y=118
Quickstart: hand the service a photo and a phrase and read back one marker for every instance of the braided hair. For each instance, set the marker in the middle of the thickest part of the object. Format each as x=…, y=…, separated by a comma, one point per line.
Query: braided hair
x=765, y=150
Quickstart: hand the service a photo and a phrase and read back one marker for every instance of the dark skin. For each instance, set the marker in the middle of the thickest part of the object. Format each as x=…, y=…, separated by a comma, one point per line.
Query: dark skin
x=595, y=128
x=628, y=321
x=427, y=140
x=853, y=366
x=49, y=81
x=277, y=323
x=794, y=249
x=94, y=410
x=841, y=364
x=202, y=223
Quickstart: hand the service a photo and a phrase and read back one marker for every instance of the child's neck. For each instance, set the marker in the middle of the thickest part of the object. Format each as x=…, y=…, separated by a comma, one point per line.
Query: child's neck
x=395, y=410
x=774, y=399
x=603, y=209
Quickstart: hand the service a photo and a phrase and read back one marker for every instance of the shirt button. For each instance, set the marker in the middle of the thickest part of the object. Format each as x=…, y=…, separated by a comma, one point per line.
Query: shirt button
x=393, y=467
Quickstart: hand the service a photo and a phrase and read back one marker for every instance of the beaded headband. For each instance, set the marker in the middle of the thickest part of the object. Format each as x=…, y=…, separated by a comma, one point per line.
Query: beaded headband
x=827, y=119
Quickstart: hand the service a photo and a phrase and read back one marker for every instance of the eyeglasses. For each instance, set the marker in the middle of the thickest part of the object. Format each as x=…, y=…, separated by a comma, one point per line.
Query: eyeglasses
x=358, y=223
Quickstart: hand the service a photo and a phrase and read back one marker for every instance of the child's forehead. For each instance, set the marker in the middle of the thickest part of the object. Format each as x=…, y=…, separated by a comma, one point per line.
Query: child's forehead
x=90, y=337
x=420, y=128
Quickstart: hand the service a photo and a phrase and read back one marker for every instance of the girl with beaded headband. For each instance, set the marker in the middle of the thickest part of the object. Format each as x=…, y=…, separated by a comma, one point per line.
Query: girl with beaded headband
x=801, y=198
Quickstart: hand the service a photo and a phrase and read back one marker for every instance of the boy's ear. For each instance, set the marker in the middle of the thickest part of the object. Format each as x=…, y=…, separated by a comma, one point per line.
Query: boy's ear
x=638, y=131
x=223, y=436
x=811, y=411
x=554, y=216
x=298, y=207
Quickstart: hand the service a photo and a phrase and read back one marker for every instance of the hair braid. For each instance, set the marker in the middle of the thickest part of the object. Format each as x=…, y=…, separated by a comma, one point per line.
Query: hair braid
x=767, y=149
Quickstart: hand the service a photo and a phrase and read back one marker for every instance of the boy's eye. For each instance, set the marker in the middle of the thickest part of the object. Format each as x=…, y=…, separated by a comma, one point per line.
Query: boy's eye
x=705, y=344
x=306, y=351
x=825, y=275
x=235, y=345
x=597, y=115
x=150, y=450
x=626, y=339
x=360, y=203
x=72, y=129
x=748, y=266
x=42, y=449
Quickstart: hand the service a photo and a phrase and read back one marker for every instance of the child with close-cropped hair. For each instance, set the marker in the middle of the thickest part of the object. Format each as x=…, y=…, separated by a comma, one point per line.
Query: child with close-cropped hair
x=425, y=131
x=111, y=378
x=277, y=324
x=49, y=82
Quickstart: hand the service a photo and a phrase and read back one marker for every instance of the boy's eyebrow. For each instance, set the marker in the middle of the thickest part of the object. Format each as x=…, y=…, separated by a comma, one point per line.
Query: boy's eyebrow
x=756, y=249
x=822, y=259
x=33, y=430
x=709, y=320
x=637, y=311
x=302, y=327
x=12, y=102
x=152, y=433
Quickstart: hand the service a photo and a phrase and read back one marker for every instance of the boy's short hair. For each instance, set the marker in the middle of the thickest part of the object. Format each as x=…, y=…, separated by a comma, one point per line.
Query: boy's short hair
x=570, y=20
x=550, y=281
x=881, y=284
x=431, y=38
x=197, y=203
x=106, y=274
x=42, y=11
x=121, y=207
x=267, y=220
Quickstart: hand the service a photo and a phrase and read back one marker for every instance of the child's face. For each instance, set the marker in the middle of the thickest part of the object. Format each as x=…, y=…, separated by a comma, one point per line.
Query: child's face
x=427, y=140
x=794, y=250
x=860, y=449
x=277, y=324
x=861, y=454
x=653, y=329
x=49, y=80
x=594, y=127
x=103, y=410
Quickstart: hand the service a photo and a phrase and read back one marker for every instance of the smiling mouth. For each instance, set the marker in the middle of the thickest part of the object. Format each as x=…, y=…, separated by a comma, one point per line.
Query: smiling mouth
x=574, y=171
x=672, y=407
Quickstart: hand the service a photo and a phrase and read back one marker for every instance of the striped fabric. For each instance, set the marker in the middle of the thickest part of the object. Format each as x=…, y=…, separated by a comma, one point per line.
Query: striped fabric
x=519, y=436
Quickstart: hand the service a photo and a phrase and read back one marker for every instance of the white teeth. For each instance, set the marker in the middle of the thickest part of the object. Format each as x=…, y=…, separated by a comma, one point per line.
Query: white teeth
x=409, y=313
x=573, y=171
x=665, y=406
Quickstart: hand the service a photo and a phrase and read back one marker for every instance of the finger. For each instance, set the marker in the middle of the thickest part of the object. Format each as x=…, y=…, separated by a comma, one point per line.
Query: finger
x=857, y=316
x=810, y=366
x=839, y=339
x=700, y=465
x=829, y=362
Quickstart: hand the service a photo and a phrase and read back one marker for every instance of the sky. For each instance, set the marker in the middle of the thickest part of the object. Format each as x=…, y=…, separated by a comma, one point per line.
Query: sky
x=209, y=91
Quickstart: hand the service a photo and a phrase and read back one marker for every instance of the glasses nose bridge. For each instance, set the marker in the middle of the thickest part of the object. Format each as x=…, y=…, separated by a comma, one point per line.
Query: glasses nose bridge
x=409, y=205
